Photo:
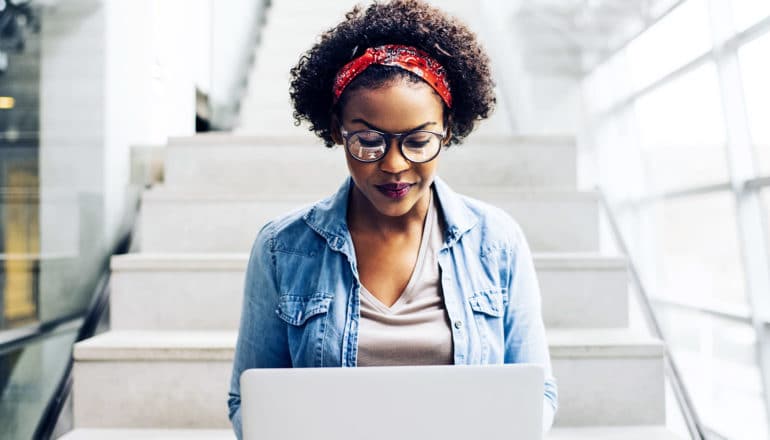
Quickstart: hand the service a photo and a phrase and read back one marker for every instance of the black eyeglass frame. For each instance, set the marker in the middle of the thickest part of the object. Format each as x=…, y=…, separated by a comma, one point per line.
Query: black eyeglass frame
x=388, y=137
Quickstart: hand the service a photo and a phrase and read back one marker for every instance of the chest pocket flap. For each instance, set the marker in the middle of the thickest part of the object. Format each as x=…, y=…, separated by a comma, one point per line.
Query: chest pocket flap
x=296, y=310
x=489, y=302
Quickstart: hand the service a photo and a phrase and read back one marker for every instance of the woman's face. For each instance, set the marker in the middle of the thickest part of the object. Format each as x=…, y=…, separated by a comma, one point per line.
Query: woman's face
x=393, y=186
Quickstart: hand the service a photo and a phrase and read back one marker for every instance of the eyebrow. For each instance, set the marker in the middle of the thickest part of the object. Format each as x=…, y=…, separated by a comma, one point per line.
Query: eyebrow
x=371, y=126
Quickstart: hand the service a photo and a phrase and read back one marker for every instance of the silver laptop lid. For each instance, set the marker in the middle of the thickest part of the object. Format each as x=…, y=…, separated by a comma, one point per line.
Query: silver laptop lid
x=378, y=403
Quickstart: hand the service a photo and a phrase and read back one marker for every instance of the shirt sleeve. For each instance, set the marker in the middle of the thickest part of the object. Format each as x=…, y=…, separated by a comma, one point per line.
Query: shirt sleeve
x=525, y=338
x=262, y=341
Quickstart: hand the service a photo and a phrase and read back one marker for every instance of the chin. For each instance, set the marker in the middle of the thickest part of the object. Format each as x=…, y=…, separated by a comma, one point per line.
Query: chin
x=394, y=211
x=396, y=208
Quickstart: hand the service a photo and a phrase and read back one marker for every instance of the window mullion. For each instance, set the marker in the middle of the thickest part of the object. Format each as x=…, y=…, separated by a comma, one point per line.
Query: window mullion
x=742, y=166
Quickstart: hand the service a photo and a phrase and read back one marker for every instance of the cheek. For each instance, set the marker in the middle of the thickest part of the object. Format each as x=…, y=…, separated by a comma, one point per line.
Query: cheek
x=359, y=171
x=429, y=169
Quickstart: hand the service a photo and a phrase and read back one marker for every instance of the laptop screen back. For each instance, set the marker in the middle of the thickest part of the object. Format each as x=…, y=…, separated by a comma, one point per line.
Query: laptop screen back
x=379, y=403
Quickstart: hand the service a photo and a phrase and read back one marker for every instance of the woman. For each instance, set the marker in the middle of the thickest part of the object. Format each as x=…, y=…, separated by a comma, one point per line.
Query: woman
x=395, y=268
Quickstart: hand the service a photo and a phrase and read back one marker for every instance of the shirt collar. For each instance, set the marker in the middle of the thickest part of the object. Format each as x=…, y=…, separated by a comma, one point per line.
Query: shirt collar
x=329, y=216
x=458, y=217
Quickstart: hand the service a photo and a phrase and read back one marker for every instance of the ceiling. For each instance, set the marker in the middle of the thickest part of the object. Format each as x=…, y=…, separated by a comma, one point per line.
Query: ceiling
x=574, y=36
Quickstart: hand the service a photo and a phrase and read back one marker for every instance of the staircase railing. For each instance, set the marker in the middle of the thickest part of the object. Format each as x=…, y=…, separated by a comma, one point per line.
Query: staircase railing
x=693, y=423
x=85, y=323
x=90, y=323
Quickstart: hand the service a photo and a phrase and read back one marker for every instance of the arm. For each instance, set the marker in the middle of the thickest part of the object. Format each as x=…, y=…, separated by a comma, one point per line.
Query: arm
x=262, y=336
x=525, y=339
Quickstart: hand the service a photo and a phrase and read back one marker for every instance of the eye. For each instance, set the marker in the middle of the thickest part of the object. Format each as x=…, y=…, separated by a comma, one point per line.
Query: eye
x=368, y=139
x=414, y=143
x=367, y=143
x=418, y=140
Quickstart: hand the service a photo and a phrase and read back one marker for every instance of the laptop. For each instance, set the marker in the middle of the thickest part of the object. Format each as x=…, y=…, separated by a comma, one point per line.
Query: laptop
x=407, y=403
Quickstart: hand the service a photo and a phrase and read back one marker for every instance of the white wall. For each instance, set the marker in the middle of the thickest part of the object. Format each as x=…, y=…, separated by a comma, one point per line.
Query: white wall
x=233, y=39
x=176, y=65
x=129, y=101
x=201, y=35
x=113, y=74
x=540, y=103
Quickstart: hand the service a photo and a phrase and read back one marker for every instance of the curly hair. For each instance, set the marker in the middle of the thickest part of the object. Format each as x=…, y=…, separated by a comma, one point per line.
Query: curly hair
x=407, y=22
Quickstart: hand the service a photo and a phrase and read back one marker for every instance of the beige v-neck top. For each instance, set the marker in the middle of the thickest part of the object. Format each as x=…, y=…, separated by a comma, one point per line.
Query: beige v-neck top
x=415, y=330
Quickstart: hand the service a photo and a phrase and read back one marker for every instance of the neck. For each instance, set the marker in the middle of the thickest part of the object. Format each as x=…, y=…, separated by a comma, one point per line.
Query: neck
x=364, y=217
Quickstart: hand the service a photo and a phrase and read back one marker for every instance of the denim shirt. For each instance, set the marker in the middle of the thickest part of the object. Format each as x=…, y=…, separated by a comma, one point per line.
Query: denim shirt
x=301, y=301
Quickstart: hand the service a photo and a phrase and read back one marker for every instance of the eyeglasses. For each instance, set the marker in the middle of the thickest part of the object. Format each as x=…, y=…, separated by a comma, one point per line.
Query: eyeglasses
x=418, y=146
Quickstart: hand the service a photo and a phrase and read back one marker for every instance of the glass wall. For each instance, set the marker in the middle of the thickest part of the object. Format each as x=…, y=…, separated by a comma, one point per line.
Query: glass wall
x=82, y=83
x=755, y=71
x=718, y=358
x=679, y=121
x=19, y=179
x=695, y=261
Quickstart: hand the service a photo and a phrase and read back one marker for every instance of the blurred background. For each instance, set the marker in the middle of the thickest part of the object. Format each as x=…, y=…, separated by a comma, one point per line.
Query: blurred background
x=668, y=100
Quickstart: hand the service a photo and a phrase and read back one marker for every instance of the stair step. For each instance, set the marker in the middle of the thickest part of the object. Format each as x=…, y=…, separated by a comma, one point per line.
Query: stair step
x=191, y=222
x=153, y=380
x=586, y=364
x=179, y=379
x=171, y=221
x=581, y=343
x=144, y=345
x=278, y=121
x=587, y=433
x=552, y=220
x=177, y=291
x=149, y=434
x=266, y=165
x=309, y=9
x=204, y=291
x=244, y=163
x=613, y=433
x=583, y=290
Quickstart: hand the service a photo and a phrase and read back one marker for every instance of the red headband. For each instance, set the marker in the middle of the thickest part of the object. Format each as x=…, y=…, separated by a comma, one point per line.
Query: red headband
x=406, y=57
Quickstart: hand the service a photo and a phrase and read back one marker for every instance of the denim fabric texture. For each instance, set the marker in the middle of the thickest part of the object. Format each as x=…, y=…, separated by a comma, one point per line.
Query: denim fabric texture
x=301, y=303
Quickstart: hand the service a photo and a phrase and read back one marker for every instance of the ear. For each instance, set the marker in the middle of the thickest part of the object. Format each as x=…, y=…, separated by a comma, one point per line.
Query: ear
x=334, y=128
x=448, y=128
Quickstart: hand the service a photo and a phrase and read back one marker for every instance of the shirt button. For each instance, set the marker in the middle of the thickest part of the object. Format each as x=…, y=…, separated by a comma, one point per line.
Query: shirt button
x=458, y=325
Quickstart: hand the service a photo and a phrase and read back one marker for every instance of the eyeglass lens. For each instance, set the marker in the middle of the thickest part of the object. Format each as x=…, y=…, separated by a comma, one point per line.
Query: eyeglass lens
x=418, y=146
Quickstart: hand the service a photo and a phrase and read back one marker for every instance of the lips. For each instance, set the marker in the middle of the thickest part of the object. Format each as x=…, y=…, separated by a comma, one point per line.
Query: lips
x=394, y=190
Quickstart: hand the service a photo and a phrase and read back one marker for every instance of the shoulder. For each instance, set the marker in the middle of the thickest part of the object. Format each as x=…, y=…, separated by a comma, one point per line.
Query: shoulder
x=495, y=228
x=288, y=233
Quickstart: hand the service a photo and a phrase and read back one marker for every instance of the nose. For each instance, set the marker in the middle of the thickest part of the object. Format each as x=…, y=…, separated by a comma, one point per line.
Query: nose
x=394, y=162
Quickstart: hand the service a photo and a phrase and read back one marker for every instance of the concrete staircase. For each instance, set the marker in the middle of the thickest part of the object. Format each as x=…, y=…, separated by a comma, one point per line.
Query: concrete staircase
x=163, y=369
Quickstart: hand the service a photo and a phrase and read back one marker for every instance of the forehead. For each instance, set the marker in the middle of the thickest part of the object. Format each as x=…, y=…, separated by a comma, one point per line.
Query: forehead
x=395, y=107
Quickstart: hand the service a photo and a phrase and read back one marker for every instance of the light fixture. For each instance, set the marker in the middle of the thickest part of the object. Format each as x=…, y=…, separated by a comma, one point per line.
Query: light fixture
x=7, y=102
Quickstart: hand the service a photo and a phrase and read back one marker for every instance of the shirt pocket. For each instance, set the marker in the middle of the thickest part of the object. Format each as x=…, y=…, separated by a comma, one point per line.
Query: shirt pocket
x=298, y=310
x=488, y=307
x=488, y=302
x=307, y=318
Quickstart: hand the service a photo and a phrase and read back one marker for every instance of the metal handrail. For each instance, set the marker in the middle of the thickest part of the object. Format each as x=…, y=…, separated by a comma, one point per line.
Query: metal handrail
x=90, y=323
x=734, y=314
x=16, y=338
x=692, y=421
x=85, y=322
